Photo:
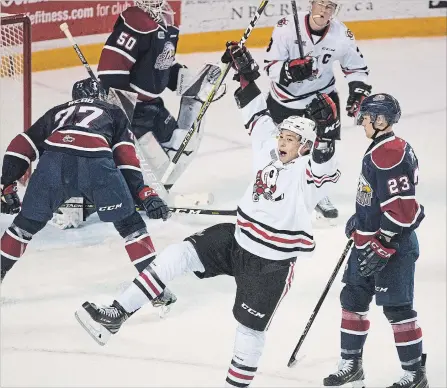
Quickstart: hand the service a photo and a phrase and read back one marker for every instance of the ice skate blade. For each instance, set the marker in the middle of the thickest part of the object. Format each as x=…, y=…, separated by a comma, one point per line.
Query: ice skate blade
x=353, y=384
x=98, y=332
x=164, y=310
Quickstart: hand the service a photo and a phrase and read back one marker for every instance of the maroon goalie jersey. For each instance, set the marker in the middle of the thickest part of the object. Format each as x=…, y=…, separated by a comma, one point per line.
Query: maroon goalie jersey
x=139, y=55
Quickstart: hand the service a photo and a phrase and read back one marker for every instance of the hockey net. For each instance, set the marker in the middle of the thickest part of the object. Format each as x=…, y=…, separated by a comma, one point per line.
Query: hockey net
x=15, y=78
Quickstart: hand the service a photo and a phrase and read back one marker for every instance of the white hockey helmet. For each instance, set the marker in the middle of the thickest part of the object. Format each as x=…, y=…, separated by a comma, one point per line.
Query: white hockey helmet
x=335, y=5
x=303, y=127
x=155, y=8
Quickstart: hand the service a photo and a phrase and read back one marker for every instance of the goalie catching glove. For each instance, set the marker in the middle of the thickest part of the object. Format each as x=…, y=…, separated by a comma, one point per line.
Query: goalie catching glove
x=241, y=60
x=10, y=199
x=154, y=206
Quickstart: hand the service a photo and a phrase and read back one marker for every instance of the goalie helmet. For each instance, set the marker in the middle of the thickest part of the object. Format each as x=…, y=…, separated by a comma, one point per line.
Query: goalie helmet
x=379, y=107
x=155, y=8
x=303, y=127
x=88, y=88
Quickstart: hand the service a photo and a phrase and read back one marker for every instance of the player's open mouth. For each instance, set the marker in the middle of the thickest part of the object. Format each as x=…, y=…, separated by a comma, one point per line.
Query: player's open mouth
x=282, y=153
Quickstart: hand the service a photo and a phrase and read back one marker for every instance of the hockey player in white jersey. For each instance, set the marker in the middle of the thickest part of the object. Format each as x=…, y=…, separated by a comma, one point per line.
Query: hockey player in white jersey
x=295, y=81
x=273, y=227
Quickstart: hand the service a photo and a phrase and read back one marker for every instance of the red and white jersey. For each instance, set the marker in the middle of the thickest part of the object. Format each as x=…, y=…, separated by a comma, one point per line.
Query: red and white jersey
x=336, y=44
x=274, y=219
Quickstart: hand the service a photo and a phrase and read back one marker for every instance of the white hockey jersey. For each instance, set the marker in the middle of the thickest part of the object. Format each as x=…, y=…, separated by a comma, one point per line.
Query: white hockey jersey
x=274, y=219
x=337, y=44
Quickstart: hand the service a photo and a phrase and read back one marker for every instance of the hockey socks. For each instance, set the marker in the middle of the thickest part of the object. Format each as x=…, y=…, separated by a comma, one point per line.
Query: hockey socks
x=354, y=330
x=174, y=260
x=408, y=339
x=248, y=348
x=13, y=244
x=140, y=249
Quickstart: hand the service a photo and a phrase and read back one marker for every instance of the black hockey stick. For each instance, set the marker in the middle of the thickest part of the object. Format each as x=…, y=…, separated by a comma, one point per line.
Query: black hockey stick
x=211, y=95
x=292, y=361
x=299, y=40
x=210, y=212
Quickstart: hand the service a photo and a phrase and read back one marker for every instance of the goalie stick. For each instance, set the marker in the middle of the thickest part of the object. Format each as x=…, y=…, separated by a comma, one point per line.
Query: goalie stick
x=146, y=168
x=210, y=98
x=210, y=212
x=292, y=361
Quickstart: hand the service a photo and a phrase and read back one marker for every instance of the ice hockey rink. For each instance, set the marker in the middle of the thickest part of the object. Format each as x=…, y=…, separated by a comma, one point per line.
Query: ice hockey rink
x=42, y=345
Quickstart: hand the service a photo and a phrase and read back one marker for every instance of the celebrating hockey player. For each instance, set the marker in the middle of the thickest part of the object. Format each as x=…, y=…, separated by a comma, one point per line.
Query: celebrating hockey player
x=295, y=81
x=86, y=149
x=139, y=56
x=386, y=248
x=273, y=226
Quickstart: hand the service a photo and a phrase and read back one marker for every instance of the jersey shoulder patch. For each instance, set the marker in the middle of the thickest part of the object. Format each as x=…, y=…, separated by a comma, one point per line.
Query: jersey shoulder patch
x=389, y=154
x=138, y=20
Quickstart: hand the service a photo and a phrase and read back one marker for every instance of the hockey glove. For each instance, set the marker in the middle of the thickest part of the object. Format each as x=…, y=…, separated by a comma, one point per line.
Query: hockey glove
x=357, y=92
x=351, y=226
x=246, y=67
x=323, y=111
x=154, y=206
x=375, y=256
x=296, y=70
x=10, y=199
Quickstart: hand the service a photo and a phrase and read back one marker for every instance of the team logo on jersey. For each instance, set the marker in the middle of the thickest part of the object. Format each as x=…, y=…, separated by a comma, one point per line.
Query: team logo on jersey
x=349, y=34
x=166, y=58
x=282, y=22
x=364, y=192
x=379, y=97
x=265, y=184
x=68, y=139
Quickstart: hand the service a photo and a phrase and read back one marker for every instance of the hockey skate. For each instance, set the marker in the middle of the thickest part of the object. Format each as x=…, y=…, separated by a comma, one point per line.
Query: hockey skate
x=413, y=379
x=101, y=321
x=164, y=301
x=349, y=371
x=326, y=208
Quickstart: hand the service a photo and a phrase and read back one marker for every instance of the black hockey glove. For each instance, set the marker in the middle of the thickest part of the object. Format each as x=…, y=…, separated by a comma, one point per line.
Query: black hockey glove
x=351, y=226
x=323, y=111
x=242, y=61
x=10, y=199
x=154, y=206
x=357, y=92
x=296, y=70
x=375, y=256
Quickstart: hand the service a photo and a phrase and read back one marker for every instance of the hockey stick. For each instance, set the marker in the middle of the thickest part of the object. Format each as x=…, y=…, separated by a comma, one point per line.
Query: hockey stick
x=292, y=361
x=299, y=40
x=211, y=212
x=210, y=97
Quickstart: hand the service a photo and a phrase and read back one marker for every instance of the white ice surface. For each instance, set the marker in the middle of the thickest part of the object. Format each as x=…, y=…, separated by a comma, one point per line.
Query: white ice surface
x=43, y=346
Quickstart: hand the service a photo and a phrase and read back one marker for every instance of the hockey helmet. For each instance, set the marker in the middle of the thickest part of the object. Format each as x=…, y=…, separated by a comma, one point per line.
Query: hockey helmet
x=88, y=88
x=378, y=107
x=303, y=127
x=155, y=8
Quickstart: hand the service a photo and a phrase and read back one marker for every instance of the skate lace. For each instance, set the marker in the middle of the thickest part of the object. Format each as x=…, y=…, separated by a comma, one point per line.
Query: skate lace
x=408, y=377
x=111, y=312
x=326, y=203
x=344, y=367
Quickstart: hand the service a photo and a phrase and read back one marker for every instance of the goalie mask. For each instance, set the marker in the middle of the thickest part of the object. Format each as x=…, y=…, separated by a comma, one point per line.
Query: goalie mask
x=296, y=138
x=88, y=88
x=156, y=8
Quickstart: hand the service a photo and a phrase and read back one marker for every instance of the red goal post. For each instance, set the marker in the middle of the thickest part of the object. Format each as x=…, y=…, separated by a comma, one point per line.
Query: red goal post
x=15, y=77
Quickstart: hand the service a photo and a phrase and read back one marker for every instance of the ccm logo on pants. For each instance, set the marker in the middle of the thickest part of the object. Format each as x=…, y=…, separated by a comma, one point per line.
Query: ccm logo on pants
x=252, y=312
x=111, y=207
